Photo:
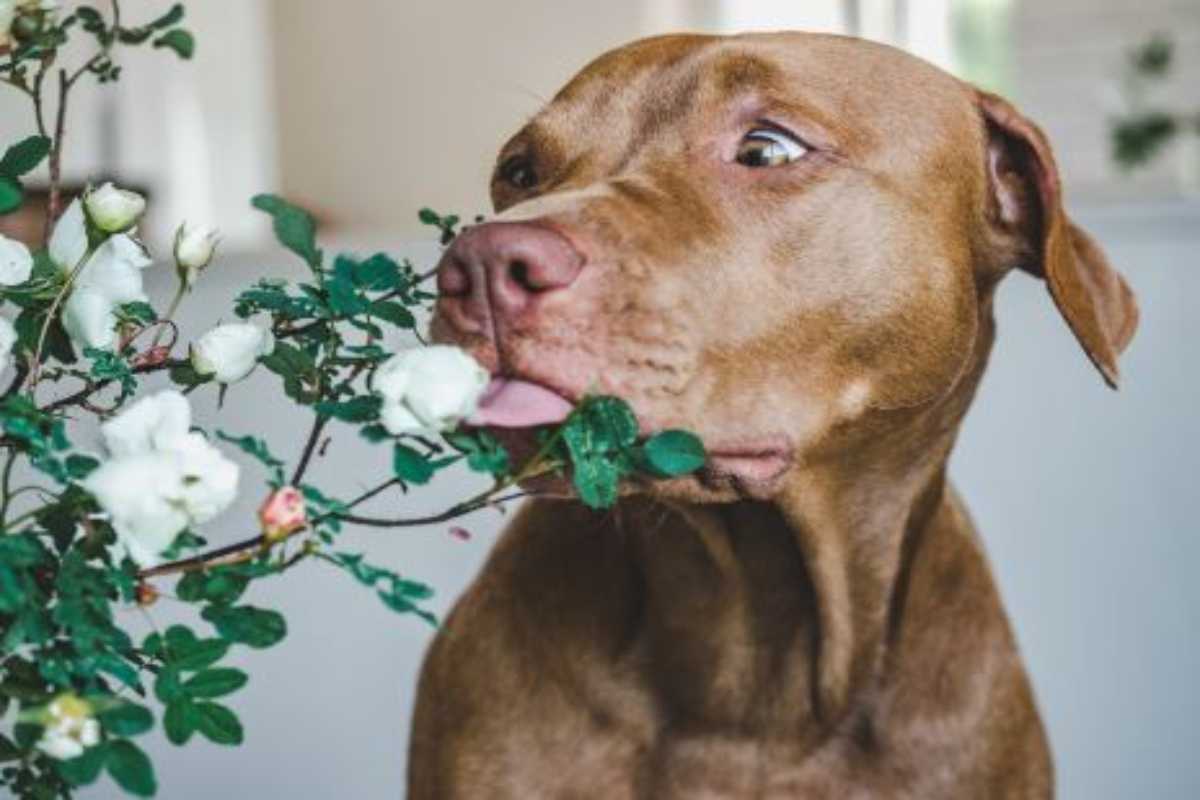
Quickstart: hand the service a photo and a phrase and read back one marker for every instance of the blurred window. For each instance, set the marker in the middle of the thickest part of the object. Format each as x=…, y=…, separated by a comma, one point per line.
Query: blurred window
x=967, y=37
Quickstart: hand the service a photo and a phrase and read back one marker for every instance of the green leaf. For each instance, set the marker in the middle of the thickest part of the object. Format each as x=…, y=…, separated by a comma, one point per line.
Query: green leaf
x=80, y=466
x=186, y=375
x=11, y=194
x=179, y=40
x=363, y=408
x=180, y=720
x=24, y=156
x=166, y=684
x=127, y=719
x=84, y=769
x=218, y=723
x=256, y=627
x=215, y=682
x=673, y=452
x=596, y=480
x=216, y=586
x=294, y=227
x=344, y=299
x=374, y=433
x=199, y=654
x=173, y=17
x=411, y=466
x=393, y=312
x=289, y=361
x=131, y=768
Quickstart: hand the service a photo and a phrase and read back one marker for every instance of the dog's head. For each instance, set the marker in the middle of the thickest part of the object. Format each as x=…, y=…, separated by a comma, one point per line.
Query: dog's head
x=786, y=243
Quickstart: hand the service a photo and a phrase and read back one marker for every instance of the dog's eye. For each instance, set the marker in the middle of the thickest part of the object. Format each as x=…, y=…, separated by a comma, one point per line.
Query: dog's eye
x=767, y=147
x=518, y=171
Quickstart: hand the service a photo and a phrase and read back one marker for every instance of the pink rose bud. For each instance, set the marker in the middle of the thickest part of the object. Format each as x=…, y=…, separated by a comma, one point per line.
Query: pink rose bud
x=282, y=514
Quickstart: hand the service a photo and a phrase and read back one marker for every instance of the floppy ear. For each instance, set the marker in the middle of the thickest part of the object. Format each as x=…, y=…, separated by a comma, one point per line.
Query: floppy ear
x=1027, y=201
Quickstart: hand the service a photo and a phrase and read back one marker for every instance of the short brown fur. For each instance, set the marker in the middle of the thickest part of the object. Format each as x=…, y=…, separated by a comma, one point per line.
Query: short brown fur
x=825, y=629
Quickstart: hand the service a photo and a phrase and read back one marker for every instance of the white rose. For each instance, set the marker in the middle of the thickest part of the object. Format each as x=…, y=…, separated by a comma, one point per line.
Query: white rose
x=8, y=337
x=194, y=248
x=69, y=728
x=209, y=478
x=141, y=495
x=155, y=422
x=90, y=319
x=69, y=239
x=161, y=478
x=116, y=270
x=113, y=210
x=111, y=276
x=428, y=388
x=230, y=352
x=16, y=264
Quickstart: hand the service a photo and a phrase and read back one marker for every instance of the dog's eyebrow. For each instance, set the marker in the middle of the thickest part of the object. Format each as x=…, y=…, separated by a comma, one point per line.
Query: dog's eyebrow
x=739, y=72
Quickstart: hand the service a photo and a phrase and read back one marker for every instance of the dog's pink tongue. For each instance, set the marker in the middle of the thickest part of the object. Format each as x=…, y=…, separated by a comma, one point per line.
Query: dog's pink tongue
x=512, y=403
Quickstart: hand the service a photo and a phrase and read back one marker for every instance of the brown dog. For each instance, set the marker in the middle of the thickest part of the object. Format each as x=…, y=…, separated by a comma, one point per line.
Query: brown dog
x=789, y=244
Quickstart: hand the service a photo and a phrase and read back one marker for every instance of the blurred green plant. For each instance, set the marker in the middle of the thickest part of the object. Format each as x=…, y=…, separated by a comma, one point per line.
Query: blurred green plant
x=1142, y=131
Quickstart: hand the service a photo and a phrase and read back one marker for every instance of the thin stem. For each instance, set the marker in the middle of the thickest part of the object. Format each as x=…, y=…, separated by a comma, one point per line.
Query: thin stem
x=314, y=436
x=92, y=387
x=6, y=483
x=35, y=369
x=456, y=511
x=171, y=309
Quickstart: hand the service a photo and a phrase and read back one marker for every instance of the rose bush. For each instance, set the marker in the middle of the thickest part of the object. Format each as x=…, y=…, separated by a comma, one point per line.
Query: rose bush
x=84, y=533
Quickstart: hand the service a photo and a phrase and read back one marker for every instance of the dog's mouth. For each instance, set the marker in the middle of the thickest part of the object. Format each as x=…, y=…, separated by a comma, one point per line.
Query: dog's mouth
x=516, y=403
x=512, y=408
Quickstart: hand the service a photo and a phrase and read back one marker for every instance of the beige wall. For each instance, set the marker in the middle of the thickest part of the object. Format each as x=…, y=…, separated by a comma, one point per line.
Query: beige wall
x=385, y=107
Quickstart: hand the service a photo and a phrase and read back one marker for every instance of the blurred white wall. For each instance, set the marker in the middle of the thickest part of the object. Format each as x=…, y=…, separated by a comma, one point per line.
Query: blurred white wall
x=387, y=107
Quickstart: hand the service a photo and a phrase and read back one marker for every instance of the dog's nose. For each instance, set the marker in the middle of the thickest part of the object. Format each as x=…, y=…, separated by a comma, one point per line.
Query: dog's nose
x=504, y=266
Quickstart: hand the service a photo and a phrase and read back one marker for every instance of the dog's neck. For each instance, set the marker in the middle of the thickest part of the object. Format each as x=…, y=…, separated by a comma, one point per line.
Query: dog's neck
x=799, y=595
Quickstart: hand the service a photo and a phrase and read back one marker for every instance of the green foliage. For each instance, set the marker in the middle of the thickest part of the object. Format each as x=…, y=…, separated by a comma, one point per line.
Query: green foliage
x=294, y=227
x=21, y=158
x=1143, y=130
x=398, y=594
x=67, y=589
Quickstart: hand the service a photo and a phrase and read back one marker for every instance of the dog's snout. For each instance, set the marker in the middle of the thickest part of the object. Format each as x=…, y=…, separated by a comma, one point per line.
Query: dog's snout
x=501, y=267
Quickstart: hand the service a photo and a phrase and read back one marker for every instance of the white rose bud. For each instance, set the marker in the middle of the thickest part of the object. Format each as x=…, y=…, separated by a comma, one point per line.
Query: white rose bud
x=16, y=264
x=428, y=388
x=69, y=239
x=113, y=210
x=230, y=352
x=162, y=477
x=8, y=337
x=194, y=248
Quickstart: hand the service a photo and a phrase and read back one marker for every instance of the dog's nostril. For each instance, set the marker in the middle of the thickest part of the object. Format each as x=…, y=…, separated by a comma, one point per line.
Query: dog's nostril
x=519, y=272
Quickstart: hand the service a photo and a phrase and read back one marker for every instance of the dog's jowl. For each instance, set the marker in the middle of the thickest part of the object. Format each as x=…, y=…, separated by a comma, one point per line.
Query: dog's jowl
x=789, y=244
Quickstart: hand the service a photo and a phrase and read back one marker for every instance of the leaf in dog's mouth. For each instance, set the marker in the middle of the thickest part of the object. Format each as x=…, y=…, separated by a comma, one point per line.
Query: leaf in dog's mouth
x=600, y=442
